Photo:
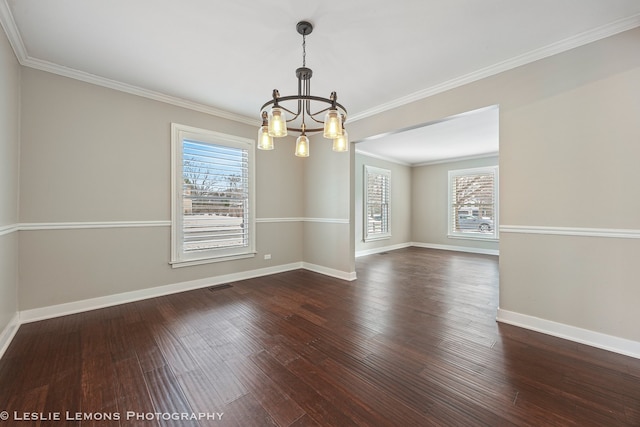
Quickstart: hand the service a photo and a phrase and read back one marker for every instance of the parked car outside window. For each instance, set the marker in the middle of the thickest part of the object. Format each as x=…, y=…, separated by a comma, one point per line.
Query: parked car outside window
x=470, y=222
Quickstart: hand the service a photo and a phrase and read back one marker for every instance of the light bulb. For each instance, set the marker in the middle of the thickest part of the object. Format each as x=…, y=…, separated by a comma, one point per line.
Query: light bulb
x=302, y=146
x=332, y=124
x=341, y=143
x=265, y=141
x=277, y=122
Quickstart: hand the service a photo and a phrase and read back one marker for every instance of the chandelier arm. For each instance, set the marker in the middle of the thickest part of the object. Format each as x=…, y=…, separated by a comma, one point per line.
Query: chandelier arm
x=339, y=107
x=290, y=112
x=293, y=118
x=305, y=97
x=316, y=120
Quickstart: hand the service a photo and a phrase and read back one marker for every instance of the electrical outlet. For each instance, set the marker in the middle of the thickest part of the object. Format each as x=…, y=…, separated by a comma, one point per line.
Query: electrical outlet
x=267, y=256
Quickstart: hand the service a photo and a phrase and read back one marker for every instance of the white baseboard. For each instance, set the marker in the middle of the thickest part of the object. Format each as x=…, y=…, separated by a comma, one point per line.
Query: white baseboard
x=58, y=310
x=457, y=248
x=43, y=313
x=382, y=249
x=36, y=314
x=428, y=246
x=7, y=334
x=572, y=333
x=330, y=271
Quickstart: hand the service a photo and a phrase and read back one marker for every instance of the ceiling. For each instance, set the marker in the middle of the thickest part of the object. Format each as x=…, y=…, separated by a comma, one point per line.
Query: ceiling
x=226, y=57
x=472, y=134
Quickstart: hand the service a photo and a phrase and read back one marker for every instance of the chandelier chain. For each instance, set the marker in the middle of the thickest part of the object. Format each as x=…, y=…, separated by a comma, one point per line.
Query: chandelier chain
x=304, y=50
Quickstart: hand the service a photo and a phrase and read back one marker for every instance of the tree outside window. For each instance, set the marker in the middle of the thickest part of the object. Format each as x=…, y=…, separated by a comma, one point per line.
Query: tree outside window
x=473, y=204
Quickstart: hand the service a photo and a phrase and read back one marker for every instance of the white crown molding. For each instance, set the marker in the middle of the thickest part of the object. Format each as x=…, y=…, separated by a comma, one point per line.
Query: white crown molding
x=572, y=231
x=509, y=64
x=9, y=25
x=11, y=29
x=15, y=39
x=379, y=157
x=458, y=159
x=572, y=333
x=134, y=90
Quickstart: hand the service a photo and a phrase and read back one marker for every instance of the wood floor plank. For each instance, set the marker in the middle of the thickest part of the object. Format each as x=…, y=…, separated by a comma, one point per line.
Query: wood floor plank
x=282, y=408
x=224, y=383
x=132, y=394
x=99, y=396
x=387, y=404
x=168, y=397
x=413, y=341
x=316, y=406
x=146, y=348
x=342, y=398
x=202, y=395
x=245, y=411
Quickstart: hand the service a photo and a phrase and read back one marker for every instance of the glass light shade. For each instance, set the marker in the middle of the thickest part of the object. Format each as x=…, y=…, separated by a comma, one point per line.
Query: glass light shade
x=265, y=141
x=302, y=146
x=332, y=124
x=341, y=143
x=277, y=122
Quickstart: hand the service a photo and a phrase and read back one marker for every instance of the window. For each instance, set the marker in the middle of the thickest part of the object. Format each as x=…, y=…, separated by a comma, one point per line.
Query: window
x=212, y=196
x=377, y=197
x=473, y=203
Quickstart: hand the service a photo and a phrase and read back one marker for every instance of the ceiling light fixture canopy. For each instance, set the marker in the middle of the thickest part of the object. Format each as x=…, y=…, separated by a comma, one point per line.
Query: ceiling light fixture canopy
x=276, y=125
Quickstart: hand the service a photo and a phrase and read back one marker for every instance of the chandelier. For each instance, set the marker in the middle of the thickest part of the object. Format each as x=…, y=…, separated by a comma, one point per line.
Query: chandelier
x=276, y=125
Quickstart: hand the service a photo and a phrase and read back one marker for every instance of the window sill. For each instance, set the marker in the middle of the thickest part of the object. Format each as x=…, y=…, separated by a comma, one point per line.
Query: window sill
x=374, y=238
x=192, y=262
x=478, y=238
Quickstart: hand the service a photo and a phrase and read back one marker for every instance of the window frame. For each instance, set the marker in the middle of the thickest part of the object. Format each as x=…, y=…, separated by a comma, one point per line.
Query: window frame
x=179, y=258
x=494, y=235
x=383, y=234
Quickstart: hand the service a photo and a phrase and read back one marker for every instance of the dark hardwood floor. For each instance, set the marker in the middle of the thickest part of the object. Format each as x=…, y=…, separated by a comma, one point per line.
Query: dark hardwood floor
x=412, y=342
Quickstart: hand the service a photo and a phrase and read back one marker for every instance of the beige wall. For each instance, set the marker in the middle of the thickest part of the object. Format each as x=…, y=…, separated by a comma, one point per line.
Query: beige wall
x=401, y=202
x=9, y=184
x=419, y=205
x=92, y=154
x=327, y=204
x=569, y=133
x=584, y=134
x=430, y=205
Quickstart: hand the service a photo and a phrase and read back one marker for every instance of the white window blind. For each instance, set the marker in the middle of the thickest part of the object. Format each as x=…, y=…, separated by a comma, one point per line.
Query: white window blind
x=215, y=196
x=212, y=200
x=473, y=203
x=377, y=192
